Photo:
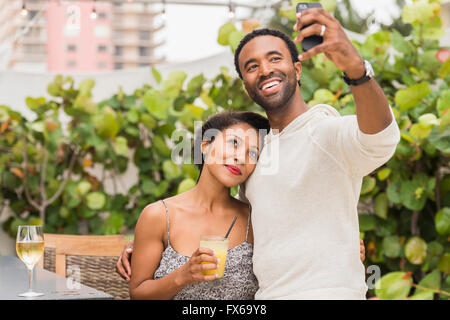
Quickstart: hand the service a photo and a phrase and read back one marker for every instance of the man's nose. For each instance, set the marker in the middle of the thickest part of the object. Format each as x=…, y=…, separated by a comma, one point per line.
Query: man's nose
x=265, y=69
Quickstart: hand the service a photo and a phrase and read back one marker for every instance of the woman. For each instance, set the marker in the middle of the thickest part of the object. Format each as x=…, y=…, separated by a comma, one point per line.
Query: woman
x=167, y=261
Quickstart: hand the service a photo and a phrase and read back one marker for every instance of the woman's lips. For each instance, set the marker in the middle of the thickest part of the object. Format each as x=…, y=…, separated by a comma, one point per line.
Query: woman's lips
x=234, y=170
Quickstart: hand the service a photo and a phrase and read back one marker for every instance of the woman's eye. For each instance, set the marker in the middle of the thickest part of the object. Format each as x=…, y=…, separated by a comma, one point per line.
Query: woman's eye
x=253, y=154
x=234, y=142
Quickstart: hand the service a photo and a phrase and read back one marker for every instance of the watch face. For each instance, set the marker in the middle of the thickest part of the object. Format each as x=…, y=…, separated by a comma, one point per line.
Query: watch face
x=369, y=69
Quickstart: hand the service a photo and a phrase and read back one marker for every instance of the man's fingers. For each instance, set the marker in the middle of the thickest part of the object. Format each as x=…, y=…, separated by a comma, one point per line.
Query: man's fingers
x=122, y=272
x=313, y=51
x=311, y=16
x=313, y=29
x=126, y=262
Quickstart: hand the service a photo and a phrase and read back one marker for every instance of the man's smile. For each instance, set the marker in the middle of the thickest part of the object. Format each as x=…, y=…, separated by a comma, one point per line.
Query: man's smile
x=270, y=86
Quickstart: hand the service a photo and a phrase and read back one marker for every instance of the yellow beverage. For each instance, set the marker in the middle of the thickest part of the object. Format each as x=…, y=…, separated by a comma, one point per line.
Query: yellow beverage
x=30, y=251
x=220, y=246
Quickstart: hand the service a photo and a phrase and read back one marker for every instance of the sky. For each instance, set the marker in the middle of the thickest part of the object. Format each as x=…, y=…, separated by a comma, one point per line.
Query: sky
x=191, y=31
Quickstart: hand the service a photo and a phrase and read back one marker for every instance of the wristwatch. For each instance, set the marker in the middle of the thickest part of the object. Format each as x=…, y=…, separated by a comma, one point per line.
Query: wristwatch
x=366, y=77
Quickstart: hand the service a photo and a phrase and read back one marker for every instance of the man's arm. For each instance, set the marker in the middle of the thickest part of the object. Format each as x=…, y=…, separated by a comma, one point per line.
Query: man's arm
x=372, y=107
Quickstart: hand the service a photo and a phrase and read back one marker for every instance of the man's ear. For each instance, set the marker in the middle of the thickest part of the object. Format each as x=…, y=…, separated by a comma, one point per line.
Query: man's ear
x=298, y=70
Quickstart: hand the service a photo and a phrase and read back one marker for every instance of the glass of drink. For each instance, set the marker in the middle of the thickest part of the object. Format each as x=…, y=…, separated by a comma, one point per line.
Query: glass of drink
x=220, y=246
x=30, y=247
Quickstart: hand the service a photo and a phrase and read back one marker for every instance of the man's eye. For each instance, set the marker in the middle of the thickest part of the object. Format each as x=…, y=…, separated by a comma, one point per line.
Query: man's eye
x=275, y=58
x=252, y=67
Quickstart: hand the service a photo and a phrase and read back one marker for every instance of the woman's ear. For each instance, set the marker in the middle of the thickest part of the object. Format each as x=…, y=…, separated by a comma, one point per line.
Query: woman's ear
x=205, y=147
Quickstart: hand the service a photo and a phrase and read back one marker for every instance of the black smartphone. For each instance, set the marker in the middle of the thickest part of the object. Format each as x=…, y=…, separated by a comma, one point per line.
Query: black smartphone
x=309, y=42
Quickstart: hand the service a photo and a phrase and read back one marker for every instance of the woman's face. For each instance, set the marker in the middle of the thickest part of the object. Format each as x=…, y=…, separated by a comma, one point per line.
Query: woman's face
x=231, y=157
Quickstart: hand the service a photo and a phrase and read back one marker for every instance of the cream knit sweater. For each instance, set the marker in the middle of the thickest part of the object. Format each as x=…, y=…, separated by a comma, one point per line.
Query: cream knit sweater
x=304, y=194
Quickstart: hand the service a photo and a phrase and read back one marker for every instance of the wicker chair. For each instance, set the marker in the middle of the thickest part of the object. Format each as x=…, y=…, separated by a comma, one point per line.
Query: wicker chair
x=95, y=256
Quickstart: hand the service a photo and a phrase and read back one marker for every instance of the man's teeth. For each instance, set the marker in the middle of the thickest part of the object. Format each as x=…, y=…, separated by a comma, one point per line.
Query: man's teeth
x=270, y=84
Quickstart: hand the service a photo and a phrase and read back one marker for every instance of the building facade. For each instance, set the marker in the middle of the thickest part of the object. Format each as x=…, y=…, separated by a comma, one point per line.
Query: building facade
x=80, y=36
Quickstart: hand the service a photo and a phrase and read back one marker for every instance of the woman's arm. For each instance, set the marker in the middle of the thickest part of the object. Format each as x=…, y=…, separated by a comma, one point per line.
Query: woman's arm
x=147, y=253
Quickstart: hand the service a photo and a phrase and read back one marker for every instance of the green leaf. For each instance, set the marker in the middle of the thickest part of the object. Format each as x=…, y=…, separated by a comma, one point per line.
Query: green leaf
x=323, y=96
x=381, y=205
x=393, y=192
x=174, y=83
x=440, y=140
x=410, y=97
x=444, y=263
x=157, y=104
x=383, y=174
x=431, y=281
x=156, y=75
x=444, y=72
x=224, y=33
x=148, y=121
x=83, y=187
x=106, y=124
x=393, y=286
x=171, y=170
x=120, y=146
x=412, y=195
x=86, y=87
x=96, y=200
x=234, y=38
x=442, y=221
x=418, y=132
x=392, y=246
x=368, y=184
x=366, y=222
x=416, y=250
x=195, y=85
x=186, y=185
x=160, y=145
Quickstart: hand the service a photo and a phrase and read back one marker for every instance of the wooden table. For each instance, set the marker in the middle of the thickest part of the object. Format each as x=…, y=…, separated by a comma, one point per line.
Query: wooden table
x=14, y=280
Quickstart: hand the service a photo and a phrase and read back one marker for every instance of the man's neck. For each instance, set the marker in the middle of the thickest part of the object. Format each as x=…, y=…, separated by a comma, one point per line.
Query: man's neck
x=282, y=116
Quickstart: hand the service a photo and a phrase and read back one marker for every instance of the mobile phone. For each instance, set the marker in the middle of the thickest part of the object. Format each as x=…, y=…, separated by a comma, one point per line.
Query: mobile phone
x=312, y=41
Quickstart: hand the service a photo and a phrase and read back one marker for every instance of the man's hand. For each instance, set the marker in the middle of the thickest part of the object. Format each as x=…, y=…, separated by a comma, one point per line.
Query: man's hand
x=123, y=266
x=336, y=45
x=362, y=250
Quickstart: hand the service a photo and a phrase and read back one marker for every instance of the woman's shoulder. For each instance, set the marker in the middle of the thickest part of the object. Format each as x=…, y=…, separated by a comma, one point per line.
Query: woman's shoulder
x=153, y=215
x=241, y=207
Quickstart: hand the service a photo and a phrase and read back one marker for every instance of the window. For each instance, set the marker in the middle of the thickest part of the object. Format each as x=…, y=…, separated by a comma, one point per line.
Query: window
x=118, y=51
x=71, y=64
x=102, y=48
x=118, y=65
x=144, y=51
x=101, y=15
x=102, y=64
x=71, y=48
x=144, y=35
x=144, y=64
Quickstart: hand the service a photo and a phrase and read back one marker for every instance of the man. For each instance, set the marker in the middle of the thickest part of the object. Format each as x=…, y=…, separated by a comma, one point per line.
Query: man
x=304, y=214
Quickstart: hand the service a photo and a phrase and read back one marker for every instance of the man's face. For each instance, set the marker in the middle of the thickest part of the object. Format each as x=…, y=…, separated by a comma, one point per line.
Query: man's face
x=270, y=77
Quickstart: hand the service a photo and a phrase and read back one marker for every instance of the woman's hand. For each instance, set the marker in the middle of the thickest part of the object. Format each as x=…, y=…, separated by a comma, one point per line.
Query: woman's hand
x=191, y=272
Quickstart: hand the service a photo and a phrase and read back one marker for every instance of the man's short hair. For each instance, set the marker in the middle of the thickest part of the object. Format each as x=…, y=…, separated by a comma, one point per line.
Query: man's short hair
x=265, y=32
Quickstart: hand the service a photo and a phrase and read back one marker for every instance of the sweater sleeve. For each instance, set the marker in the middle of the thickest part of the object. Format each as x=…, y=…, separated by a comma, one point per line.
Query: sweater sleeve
x=362, y=153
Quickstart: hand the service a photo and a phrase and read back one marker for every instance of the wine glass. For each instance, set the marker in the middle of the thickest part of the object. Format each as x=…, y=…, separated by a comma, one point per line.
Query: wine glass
x=30, y=247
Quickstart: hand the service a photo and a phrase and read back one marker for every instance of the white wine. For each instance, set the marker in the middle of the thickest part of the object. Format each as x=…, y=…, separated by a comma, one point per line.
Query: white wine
x=30, y=251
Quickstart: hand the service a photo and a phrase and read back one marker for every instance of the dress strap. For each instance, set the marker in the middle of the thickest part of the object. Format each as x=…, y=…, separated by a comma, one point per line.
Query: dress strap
x=248, y=221
x=167, y=219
